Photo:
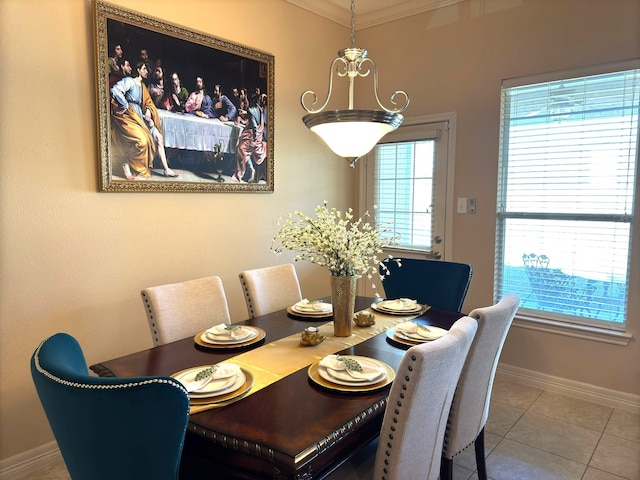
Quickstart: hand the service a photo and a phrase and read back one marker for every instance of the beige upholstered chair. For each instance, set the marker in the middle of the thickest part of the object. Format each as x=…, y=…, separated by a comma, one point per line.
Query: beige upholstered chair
x=470, y=407
x=269, y=289
x=178, y=310
x=415, y=419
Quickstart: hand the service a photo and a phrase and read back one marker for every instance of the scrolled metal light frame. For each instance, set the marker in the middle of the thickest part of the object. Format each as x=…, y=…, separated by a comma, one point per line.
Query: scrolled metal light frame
x=351, y=62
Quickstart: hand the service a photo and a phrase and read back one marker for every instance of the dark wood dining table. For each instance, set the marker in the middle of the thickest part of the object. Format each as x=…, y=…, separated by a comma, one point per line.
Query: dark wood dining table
x=293, y=428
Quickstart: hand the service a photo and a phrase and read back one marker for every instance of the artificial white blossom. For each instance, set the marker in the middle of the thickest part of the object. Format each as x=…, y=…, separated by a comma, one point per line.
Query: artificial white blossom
x=334, y=240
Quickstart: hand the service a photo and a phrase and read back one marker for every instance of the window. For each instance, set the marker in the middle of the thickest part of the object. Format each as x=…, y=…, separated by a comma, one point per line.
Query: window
x=566, y=185
x=406, y=177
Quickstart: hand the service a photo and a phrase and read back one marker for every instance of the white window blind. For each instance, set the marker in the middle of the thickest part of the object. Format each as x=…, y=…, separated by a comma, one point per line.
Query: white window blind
x=404, y=186
x=566, y=186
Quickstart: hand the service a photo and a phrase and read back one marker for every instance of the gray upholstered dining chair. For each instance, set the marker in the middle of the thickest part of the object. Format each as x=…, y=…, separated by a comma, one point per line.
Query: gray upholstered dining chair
x=470, y=407
x=178, y=310
x=437, y=283
x=270, y=288
x=108, y=428
x=415, y=418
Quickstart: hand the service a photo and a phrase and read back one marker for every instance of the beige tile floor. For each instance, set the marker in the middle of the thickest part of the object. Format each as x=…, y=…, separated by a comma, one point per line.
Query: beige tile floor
x=534, y=434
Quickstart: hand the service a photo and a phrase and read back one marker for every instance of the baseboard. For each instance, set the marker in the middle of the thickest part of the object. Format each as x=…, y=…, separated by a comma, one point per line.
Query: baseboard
x=18, y=466
x=22, y=464
x=583, y=391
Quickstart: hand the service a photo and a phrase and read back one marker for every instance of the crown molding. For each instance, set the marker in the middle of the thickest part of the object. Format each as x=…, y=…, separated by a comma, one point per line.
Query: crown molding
x=386, y=12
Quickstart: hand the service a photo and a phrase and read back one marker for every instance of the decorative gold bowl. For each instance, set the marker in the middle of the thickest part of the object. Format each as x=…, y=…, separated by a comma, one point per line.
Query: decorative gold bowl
x=311, y=337
x=364, y=319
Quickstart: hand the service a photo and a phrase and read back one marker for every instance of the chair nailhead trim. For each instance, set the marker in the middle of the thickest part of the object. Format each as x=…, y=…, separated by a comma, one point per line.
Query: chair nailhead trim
x=62, y=381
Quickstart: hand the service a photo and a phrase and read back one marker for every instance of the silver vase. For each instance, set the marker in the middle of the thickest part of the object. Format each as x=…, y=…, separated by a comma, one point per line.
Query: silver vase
x=343, y=298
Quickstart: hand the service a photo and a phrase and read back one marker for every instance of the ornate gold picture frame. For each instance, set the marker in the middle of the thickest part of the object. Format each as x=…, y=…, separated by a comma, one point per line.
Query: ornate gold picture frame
x=178, y=110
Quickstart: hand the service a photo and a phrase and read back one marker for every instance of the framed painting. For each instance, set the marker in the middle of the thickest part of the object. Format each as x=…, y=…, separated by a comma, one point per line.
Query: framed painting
x=179, y=110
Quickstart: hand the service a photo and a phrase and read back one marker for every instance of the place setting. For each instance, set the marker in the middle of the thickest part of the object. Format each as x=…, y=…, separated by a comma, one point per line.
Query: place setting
x=408, y=334
x=230, y=336
x=310, y=310
x=400, y=306
x=351, y=373
x=215, y=384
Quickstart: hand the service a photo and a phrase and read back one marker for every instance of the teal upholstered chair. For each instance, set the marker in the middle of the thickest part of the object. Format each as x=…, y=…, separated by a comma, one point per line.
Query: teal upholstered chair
x=441, y=284
x=109, y=428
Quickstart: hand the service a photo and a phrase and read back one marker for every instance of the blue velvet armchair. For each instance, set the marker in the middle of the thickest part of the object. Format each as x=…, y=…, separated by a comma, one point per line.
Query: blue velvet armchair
x=437, y=283
x=109, y=428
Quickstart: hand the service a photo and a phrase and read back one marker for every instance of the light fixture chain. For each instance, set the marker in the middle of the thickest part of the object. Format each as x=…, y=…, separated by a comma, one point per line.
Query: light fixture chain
x=353, y=23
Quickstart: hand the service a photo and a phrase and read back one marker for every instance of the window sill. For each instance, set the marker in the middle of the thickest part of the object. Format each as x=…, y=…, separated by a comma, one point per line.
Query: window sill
x=571, y=330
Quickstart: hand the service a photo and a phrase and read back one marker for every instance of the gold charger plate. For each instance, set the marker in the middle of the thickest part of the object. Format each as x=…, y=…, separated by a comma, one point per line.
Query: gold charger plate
x=402, y=342
x=244, y=388
x=314, y=376
x=406, y=313
x=309, y=316
x=261, y=336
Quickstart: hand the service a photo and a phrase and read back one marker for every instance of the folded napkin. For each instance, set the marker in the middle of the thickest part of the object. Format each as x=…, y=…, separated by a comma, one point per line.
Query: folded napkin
x=420, y=332
x=221, y=371
x=369, y=370
x=401, y=304
x=220, y=332
x=305, y=305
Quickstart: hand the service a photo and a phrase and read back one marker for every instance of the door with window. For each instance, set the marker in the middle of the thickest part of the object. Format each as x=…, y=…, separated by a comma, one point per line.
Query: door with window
x=406, y=177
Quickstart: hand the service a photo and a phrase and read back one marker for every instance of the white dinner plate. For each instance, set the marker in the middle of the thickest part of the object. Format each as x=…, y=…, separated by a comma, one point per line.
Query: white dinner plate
x=216, y=386
x=326, y=308
x=208, y=337
x=431, y=333
x=341, y=377
x=380, y=308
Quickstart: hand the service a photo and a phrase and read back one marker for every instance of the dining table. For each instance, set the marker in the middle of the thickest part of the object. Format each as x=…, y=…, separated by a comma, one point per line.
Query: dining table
x=289, y=424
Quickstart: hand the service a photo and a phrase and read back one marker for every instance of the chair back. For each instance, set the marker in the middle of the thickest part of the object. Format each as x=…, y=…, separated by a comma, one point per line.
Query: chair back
x=107, y=428
x=441, y=284
x=270, y=289
x=415, y=419
x=470, y=408
x=178, y=310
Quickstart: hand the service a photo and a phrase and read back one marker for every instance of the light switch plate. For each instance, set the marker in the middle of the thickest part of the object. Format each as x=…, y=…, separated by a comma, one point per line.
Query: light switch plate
x=462, y=205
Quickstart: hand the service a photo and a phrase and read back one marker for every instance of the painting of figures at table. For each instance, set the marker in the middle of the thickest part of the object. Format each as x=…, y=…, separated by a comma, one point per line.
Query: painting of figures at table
x=180, y=110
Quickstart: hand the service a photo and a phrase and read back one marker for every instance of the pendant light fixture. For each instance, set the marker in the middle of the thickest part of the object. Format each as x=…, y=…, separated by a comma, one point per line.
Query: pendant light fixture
x=353, y=133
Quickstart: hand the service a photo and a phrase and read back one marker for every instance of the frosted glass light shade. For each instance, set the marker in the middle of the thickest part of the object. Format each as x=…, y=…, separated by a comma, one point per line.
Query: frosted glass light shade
x=352, y=133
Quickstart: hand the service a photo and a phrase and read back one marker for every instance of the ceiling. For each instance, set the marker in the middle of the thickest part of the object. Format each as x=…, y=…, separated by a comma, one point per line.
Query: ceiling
x=369, y=13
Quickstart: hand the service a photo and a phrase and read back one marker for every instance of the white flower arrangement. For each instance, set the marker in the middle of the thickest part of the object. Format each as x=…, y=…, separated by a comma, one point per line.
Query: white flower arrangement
x=336, y=241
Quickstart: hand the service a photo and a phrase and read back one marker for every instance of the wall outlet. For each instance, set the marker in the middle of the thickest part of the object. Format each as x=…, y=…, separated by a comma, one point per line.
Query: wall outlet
x=462, y=205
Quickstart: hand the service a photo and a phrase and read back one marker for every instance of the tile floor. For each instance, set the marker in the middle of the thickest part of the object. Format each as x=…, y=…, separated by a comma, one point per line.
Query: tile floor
x=534, y=434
